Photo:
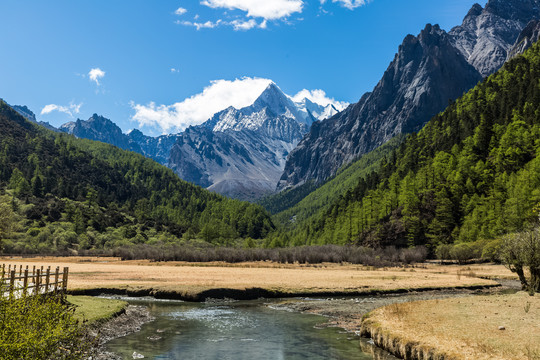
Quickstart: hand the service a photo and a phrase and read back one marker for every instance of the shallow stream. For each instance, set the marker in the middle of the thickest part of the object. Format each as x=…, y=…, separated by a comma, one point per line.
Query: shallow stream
x=237, y=330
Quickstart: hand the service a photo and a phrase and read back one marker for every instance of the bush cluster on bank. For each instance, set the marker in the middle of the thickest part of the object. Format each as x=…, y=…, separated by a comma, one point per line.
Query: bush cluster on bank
x=303, y=255
x=40, y=327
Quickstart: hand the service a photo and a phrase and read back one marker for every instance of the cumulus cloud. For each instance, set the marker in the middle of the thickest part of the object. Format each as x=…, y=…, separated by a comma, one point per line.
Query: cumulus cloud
x=219, y=95
x=266, y=9
x=180, y=11
x=96, y=74
x=349, y=4
x=70, y=110
x=319, y=97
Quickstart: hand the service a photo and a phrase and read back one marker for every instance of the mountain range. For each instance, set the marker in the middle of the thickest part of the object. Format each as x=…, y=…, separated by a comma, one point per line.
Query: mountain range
x=240, y=153
x=428, y=72
x=277, y=142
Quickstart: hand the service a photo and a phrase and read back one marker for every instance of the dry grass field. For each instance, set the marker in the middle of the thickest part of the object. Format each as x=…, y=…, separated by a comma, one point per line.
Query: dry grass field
x=463, y=328
x=188, y=278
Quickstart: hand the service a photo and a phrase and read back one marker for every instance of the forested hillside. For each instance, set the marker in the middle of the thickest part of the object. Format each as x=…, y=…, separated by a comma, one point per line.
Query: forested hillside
x=60, y=193
x=472, y=173
x=298, y=206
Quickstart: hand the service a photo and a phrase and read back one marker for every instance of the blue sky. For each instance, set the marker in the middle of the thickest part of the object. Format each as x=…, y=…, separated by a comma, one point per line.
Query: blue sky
x=137, y=61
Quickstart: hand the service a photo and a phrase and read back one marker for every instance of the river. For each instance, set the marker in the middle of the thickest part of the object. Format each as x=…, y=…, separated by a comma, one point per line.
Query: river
x=238, y=330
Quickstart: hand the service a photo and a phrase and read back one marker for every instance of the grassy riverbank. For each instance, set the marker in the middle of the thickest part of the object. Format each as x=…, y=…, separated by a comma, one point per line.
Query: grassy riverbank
x=94, y=310
x=476, y=327
x=196, y=281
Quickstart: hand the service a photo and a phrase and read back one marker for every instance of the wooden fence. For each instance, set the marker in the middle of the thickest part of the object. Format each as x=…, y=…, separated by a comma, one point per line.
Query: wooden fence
x=19, y=280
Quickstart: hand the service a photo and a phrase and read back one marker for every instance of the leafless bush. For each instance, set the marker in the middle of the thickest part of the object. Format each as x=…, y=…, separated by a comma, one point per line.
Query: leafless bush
x=303, y=255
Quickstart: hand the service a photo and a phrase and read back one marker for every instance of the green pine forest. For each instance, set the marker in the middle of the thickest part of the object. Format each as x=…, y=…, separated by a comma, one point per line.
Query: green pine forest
x=471, y=175
x=62, y=194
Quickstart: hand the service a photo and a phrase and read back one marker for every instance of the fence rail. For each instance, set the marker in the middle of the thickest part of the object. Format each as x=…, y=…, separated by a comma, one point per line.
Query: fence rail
x=19, y=280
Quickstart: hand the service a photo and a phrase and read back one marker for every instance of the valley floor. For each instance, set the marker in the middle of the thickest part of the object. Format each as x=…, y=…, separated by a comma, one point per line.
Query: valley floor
x=460, y=316
x=199, y=281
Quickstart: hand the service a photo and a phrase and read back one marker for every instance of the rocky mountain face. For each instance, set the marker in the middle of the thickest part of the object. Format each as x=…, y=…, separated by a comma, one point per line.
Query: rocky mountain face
x=488, y=34
x=99, y=128
x=241, y=153
x=428, y=71
x=526, y=39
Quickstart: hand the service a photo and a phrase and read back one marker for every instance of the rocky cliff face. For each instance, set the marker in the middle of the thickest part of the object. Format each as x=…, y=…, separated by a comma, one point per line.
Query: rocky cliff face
x=526, y=39
x=488, y=34
x=427, y=72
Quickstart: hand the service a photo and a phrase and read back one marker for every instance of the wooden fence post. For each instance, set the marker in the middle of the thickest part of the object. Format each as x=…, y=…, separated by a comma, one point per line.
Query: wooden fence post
x=37, y=282
x=25, y=283
x=47, y=279
x=12, y=284
x=56, y=275
x=65, y=280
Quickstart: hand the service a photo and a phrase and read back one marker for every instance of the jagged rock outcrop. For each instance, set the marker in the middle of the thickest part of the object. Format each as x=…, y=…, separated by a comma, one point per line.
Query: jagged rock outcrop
x=488, y=34
x=427, y=72
x=526, y=39
x=418, y=84
x=99, y=128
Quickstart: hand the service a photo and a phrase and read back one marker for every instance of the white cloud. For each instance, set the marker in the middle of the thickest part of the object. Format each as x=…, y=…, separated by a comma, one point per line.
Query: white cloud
x=219, y=95
x=201, y=25
x=243, y=25
x=238, y=25
x=175, y=70
x=180, y=11
x=247, y=25
x=96, y=74
x=266, y=9
x=70, y=110
x=319, y=97
x=349, y=4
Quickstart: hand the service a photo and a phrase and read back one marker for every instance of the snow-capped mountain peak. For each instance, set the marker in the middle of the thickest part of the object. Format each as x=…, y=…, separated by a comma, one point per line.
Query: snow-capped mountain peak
x=318, y=111
x=271, y=103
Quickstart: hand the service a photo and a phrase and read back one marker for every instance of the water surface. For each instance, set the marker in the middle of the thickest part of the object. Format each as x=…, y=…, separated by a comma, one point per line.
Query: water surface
x=236, y=330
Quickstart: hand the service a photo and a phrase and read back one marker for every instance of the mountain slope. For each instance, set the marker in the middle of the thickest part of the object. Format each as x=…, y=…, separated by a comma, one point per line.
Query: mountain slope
x=65, y=187
x=319, y=199
x=427, y=72
x=473, y=172
x=419, y=82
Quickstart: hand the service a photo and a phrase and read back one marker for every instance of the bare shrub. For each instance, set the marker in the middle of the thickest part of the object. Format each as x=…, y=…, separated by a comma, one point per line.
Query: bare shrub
x=303, y=254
